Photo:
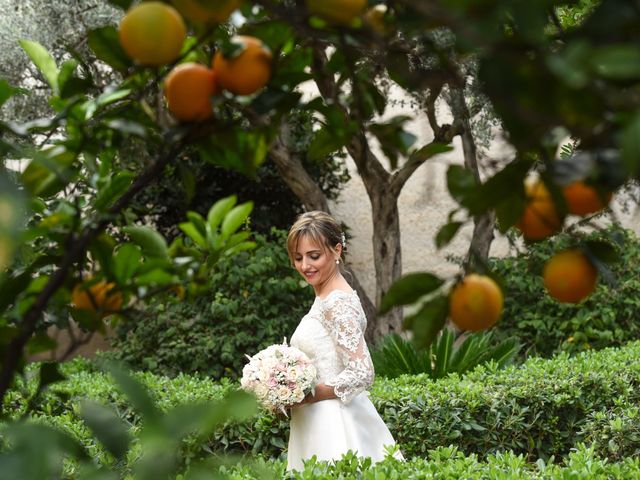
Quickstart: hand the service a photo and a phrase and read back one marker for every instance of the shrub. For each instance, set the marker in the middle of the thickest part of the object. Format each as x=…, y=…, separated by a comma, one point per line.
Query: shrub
x=396, y=356
x=447, y=462
x=615, y=433
x=256, y=300
x=539, y=410
x=545, y=326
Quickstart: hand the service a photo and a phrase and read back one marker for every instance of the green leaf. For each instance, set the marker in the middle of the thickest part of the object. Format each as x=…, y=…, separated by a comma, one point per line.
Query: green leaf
x=630, y=145
x=37, y=451
x=128, y=127
x=443, y=354
x=428, y=321
x=113, y=190
x=7, y=91
x=43, y=60
x=136, y=393
x=409, y=289
x=39, y=343
x=153, y=244
x=192, y=232
x=12, y=286
x=107, y=426
x=446, y=233
x=68, y=83
x=460, y=182
x=218, y=211
x=617, y=62
x=394, y=140
x=430, y=150
x=324, y=143
x=49, y=172
x=126, y=262
x=198, y=221
x=105, y=44
x=235, y=218
x=49, y=373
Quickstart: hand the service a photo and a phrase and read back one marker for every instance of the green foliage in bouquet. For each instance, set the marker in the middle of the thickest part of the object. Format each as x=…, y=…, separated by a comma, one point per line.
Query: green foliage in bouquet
x=256, y=299
x=396, y=356
x=544, y=326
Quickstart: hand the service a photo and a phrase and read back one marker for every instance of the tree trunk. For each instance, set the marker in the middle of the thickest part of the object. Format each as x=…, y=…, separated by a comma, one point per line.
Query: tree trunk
x=387, y=258
x=483, y=225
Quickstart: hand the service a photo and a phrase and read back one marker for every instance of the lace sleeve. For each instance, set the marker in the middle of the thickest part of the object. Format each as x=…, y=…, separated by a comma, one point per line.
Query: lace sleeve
x=345, y=322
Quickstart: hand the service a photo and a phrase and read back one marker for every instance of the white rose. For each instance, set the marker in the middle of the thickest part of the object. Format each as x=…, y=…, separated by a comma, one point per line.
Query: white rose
x=298, y=394
x=261, y=391
x=284, y=393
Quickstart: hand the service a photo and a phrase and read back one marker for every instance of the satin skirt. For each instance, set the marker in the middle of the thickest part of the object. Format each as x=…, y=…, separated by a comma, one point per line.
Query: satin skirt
x=328, y=429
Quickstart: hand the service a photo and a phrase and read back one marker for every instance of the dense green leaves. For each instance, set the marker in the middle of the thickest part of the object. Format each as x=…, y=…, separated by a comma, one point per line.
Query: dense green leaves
x=396, y=356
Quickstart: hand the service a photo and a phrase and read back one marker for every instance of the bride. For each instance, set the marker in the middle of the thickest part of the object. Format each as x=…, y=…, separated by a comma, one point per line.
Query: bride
x=339, y=417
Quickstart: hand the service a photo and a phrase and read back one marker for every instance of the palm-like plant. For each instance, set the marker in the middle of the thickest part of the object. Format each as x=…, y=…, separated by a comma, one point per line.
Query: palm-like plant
x=396, y=356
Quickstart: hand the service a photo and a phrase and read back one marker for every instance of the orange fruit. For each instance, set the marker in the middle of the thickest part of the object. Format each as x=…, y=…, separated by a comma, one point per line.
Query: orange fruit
x=583, y=199
x=98, y=298
x=188, y=89
x=340, y=12
x=248, y=70
x=569, y=276
x=207, y=11
x=475, y=303
x=540, y=218
x=152, y=33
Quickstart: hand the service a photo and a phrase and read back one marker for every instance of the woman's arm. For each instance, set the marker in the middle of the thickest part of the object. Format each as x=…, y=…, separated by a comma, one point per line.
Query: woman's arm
x=322, y=392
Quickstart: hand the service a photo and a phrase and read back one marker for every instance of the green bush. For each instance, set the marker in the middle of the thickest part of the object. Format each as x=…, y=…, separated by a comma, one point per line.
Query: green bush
x=448, y=463
x=256, y=300
x=539, y=409
x=544, y=326
x=614, y=434
x=396, y=356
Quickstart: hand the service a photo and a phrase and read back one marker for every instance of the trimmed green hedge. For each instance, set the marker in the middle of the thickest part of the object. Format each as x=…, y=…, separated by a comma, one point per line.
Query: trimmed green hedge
x=449, y=463
x=541, y=409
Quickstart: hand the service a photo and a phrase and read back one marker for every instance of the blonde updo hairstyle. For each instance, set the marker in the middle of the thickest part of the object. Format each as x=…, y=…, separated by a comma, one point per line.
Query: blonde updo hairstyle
x=320, y=227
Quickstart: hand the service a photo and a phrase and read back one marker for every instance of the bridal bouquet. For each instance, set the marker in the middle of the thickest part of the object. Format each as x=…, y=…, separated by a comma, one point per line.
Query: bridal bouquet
x=279, y=375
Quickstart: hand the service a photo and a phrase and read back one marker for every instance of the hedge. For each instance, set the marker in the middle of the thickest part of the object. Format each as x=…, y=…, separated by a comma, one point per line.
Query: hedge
x=448, y=463
x=540, y=409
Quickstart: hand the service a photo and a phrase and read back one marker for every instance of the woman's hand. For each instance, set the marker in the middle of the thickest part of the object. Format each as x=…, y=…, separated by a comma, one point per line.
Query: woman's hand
x=322, y=392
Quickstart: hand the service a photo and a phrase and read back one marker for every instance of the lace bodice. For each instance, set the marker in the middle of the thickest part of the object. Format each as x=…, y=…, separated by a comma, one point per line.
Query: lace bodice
x=332, y=335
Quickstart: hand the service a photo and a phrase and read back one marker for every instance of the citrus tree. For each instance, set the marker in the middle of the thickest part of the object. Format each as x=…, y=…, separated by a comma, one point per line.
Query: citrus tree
x=181, y=81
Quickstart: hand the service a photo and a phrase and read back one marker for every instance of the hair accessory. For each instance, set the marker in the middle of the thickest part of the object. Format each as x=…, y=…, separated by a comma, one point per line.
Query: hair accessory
x=343, y=240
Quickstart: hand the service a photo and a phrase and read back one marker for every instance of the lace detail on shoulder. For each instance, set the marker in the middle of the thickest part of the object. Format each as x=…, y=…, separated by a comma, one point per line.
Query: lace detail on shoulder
x=344, y=319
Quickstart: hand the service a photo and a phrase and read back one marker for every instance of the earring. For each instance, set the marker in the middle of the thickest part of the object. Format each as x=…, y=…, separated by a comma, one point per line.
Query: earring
x=337, y=261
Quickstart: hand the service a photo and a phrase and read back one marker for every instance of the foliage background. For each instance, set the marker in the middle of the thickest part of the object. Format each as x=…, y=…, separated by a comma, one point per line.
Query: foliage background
x=255, y=300
x=544, y=326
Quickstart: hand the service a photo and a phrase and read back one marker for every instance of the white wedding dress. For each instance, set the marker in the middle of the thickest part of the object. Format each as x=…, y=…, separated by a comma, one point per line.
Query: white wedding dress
x=332, y=335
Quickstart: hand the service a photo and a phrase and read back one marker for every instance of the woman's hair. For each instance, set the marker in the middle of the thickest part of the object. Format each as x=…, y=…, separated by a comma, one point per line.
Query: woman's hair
x=320, y=227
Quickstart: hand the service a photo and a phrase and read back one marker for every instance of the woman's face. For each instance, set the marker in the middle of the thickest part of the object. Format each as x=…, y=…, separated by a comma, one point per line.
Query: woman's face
x=315, y=263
